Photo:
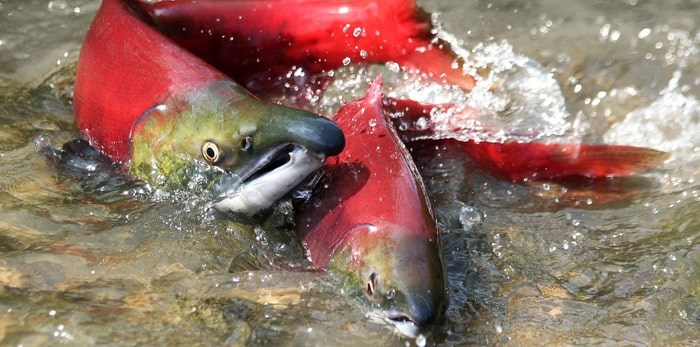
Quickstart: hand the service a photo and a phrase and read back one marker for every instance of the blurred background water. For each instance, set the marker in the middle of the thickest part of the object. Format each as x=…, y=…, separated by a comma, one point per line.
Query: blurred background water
x=100, y=260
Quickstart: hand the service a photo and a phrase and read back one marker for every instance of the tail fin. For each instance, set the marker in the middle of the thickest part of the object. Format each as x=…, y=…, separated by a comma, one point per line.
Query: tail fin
x=539, y=161
x=517, y=161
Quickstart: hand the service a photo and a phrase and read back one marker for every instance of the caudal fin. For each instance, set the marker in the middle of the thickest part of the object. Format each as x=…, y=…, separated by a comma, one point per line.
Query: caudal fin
x=518, y=161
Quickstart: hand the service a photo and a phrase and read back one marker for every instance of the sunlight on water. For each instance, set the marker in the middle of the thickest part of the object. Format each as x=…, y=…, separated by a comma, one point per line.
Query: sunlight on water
x=518, y=100
x=670, y=123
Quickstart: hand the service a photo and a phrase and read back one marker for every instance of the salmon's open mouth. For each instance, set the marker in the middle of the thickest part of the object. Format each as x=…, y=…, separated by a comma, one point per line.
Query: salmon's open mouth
x=268, y=179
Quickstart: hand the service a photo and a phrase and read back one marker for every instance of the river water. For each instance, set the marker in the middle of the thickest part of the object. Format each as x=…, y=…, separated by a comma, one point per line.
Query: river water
x=100, y=260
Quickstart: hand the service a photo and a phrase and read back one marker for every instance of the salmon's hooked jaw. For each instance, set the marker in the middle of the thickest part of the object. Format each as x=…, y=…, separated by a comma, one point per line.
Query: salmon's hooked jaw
x=260, y=190
x=245, y=153
x=288, y=147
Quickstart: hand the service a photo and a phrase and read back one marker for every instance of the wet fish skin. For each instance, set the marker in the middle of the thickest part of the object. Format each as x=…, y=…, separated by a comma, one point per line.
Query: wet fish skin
x=152, y=106
x=256, y=41
x=370, y=219
x=318, y=36
x=149, y=104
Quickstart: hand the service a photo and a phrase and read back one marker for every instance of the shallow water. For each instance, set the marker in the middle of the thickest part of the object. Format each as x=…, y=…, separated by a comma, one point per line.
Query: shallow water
x=101, y=260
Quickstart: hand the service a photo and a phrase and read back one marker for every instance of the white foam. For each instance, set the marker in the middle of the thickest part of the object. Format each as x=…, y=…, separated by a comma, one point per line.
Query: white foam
x=671, y=123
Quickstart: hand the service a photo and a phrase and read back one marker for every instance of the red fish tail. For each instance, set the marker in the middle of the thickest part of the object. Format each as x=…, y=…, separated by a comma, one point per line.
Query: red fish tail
x=518, y=161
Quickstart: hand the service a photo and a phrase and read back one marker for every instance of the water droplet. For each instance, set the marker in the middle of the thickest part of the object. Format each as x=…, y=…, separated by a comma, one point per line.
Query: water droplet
x=421, y=340
x=605, y=32
x=393, y=66
x=499, y=329
x=357, y=32
x=346, y=61
x=615, y=35
x=372, y=122
x=363, y=54
x=299, y=72
x=644, y=33
x=469, y=217
x=391, y=294
x=422, y=123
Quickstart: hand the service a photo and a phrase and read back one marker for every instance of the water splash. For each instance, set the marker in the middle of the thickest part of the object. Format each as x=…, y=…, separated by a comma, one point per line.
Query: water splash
x=515, y=98
x=670, y=123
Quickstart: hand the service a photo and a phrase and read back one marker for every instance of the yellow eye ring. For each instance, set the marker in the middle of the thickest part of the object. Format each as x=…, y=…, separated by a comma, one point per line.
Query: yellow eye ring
x=211, y=152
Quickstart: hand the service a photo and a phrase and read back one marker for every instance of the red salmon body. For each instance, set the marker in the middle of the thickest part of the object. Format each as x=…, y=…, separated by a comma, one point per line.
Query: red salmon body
x=168, y=116
x=256, y=40
x=371, y=217
x=164, y=112
x=126, y=67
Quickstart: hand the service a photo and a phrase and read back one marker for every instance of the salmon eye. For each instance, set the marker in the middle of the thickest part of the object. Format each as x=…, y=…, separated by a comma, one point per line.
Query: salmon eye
x=371, y=289
x=246, y=144
x=211, y=152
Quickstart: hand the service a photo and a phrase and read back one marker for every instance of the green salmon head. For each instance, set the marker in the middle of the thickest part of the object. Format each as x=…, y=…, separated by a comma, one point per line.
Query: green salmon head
x=400, y=273
x=246, y=153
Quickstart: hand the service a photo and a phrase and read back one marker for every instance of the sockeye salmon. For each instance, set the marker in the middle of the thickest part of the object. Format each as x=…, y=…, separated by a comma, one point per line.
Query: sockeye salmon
x=158, y=89
x=322, y=35
x=169, y=117
x=257, y=41
x=370, y=219
x=174, y=120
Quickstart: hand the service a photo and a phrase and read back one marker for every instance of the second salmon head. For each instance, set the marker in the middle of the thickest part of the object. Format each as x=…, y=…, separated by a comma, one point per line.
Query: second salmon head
x=370, y=221
x=399, y=272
